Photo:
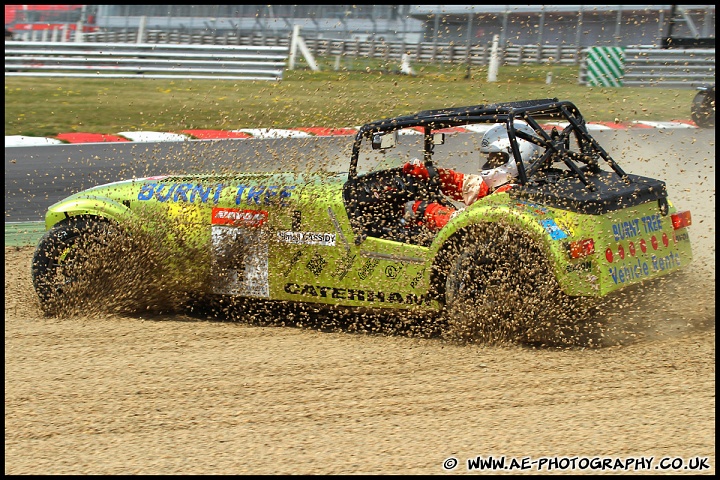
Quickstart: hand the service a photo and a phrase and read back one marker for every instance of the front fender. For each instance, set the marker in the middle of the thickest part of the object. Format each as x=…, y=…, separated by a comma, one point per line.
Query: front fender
x=86, y=205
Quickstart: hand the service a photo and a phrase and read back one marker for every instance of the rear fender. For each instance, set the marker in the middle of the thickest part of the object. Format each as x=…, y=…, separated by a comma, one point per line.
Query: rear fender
x=461, y=230
x=497, y=213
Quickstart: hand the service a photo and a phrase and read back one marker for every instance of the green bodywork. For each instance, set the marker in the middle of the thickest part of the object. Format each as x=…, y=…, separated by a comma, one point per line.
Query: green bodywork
x=306, y=250
x=318, y=237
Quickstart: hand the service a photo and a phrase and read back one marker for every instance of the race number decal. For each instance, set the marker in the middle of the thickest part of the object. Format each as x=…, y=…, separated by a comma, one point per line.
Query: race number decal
x=239, y=261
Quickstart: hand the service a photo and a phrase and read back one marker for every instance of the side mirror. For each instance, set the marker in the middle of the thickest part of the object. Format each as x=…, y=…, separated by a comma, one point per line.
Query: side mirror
x=438, y=139
x=381, y=141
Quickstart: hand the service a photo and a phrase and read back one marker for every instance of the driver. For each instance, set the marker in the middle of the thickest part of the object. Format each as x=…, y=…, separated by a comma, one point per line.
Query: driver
x=499, y=169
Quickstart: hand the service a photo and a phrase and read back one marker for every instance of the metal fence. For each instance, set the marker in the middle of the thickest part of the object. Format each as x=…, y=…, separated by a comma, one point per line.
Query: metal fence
x=427, y=52
x=654, y=67
x=669, y=68
x=449, y=53
x=229, y=56
x=133, y=60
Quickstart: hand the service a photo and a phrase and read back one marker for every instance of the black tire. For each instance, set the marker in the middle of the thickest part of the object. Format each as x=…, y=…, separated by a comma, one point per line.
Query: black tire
x=61, y=257
x=87, y=265
x=703, y=109
x=501, y=289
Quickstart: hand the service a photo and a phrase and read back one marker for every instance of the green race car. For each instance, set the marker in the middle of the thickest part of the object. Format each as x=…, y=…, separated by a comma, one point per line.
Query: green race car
x=570, y=228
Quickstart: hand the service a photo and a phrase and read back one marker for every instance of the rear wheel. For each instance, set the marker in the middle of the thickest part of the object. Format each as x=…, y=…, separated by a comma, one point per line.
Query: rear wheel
x=501, y=289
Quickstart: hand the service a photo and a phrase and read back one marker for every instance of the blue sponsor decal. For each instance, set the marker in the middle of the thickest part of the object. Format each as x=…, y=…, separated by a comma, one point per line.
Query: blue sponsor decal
x=190, y=193
x=556, y=233
x=263, y=195
x=638, y=269
x=637, y=226
x=175, y=192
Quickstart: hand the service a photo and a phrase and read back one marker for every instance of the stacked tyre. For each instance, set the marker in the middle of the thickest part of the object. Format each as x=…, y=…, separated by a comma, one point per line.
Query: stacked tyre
x=703, y=107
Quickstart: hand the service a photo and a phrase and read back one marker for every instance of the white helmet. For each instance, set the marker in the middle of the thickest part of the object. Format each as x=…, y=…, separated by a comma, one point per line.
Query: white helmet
x=496, y=140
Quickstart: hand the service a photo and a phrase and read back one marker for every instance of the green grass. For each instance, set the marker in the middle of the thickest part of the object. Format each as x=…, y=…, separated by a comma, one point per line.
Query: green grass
x=362, y=91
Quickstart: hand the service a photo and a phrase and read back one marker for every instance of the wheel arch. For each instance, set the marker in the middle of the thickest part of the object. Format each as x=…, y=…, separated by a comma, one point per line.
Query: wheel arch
x=474, y=227
x=89, y=206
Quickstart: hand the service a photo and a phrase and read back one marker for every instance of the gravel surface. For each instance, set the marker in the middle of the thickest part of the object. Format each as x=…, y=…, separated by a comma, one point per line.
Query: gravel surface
x=179, y=395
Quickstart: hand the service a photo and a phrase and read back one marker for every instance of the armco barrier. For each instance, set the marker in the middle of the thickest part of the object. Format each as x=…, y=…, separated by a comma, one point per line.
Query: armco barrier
x=649, y=67
x=669, y=67
x=126, y=60
x=428, y=51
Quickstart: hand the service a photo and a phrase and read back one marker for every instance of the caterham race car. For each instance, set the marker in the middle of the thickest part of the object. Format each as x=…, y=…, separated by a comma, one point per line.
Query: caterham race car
x=569, y=227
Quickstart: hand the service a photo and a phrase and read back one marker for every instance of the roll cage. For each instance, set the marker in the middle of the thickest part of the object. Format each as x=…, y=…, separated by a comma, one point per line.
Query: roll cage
x=556, y=143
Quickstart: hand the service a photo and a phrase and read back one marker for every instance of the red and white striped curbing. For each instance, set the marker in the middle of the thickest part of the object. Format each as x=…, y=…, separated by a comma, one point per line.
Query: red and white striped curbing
x=300, y=132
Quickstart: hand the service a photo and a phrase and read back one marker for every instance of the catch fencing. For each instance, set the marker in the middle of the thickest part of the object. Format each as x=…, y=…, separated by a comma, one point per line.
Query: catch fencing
x=134, y=60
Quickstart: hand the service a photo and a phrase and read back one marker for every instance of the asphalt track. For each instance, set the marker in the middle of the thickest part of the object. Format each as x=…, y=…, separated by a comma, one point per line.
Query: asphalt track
x=38, y=176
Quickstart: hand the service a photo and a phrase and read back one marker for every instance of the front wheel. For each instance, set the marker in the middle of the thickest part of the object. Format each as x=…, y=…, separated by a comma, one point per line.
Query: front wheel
x=87, y=265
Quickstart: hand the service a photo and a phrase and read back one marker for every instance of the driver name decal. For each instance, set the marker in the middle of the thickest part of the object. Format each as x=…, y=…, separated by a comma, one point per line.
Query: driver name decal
x=307, y=238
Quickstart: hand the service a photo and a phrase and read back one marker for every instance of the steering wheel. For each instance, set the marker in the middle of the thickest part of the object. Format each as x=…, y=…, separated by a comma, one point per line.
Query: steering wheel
x=399, y=183
x=372, y=188
x=434, y=186
x=379, y=187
